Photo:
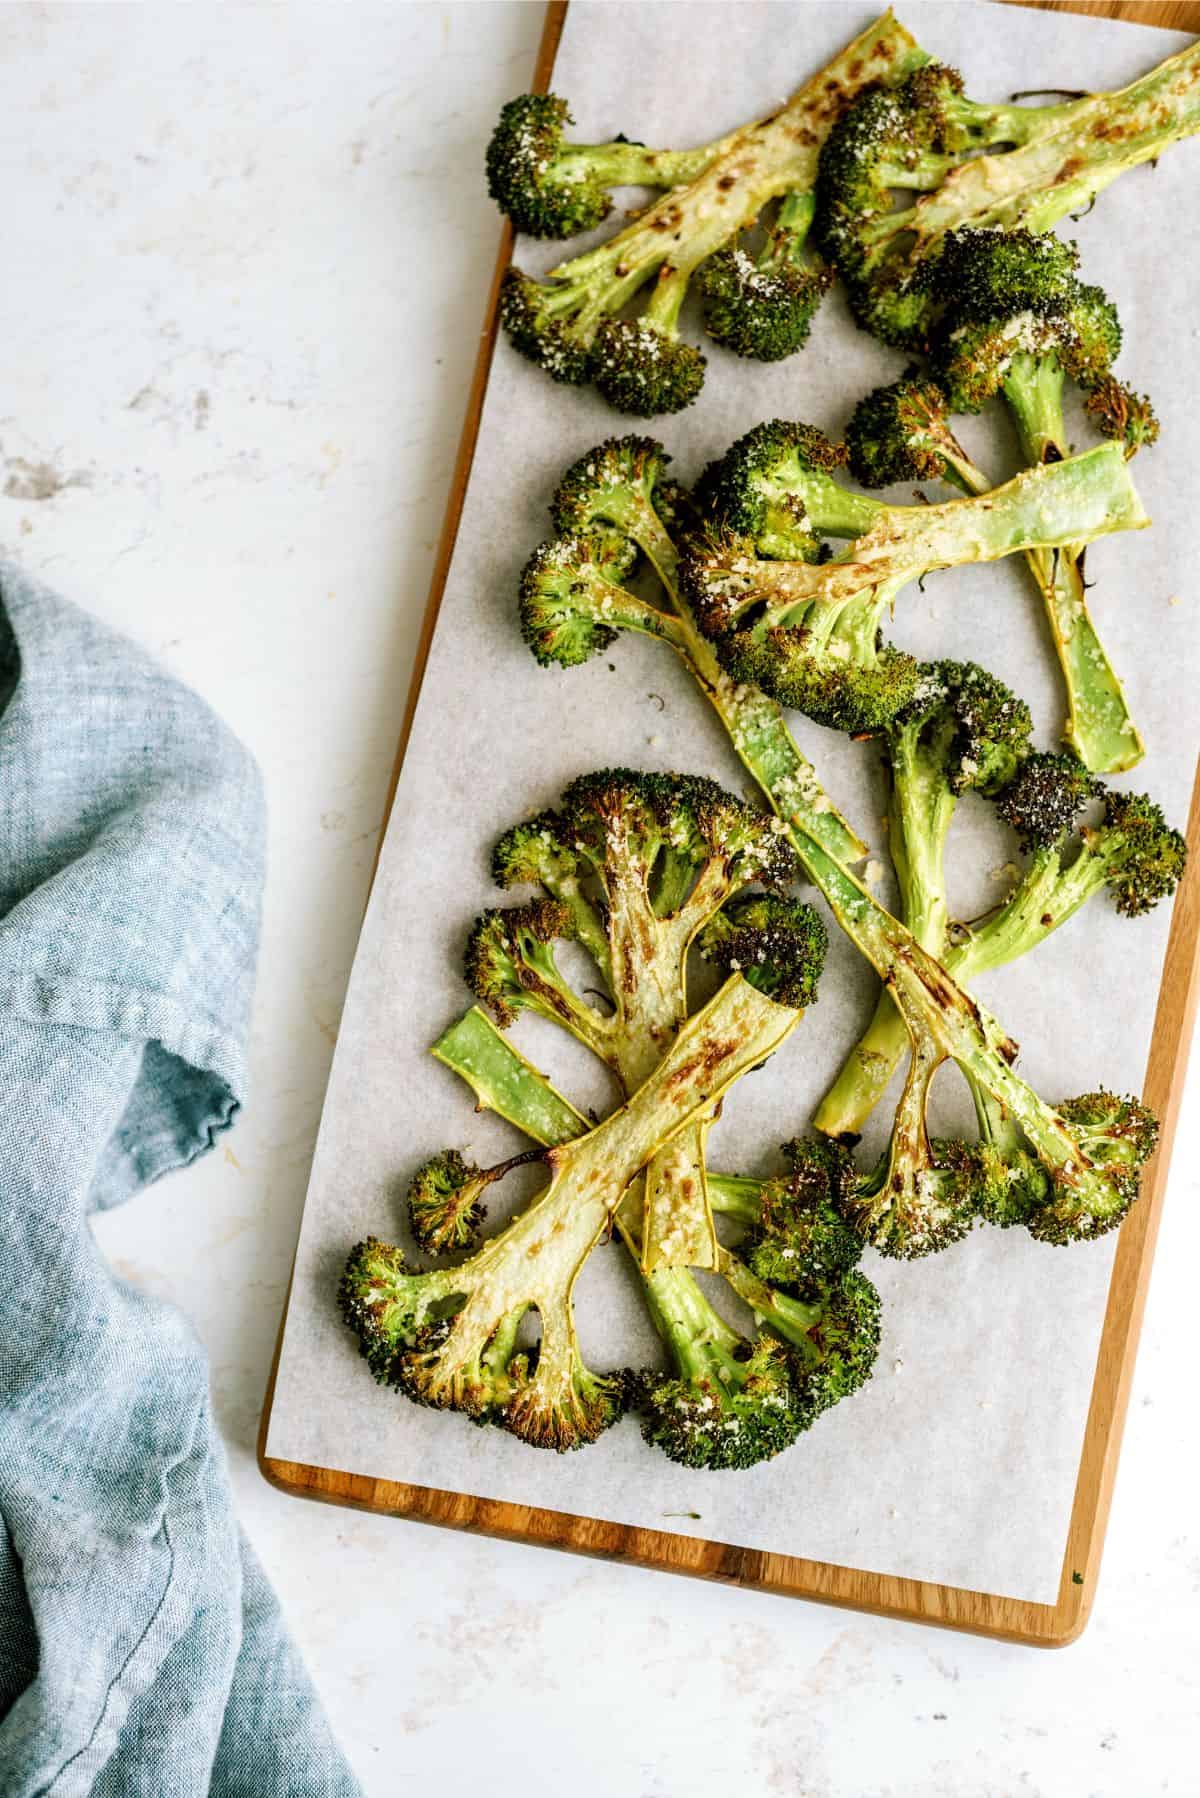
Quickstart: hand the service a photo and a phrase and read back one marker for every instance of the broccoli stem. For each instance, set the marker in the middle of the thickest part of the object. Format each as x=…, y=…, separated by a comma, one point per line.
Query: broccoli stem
x=701, y=1344
x=920, y=810
x=866, y=1073
x=621, y=164
x=1045, y=897
x=793, y=221
x=995, y=1126
x=791, y=1317
x=1099, y=728
x=1033, y=388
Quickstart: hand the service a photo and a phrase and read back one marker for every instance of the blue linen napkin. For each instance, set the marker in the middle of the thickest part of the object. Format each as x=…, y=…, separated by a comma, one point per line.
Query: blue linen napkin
x=142, y=1654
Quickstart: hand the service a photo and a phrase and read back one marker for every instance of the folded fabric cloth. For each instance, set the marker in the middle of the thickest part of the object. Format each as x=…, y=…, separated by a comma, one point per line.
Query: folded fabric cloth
x=141, y=1650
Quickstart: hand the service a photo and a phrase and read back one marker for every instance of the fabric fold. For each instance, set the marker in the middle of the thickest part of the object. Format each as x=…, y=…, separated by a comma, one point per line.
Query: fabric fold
x=140, y=1649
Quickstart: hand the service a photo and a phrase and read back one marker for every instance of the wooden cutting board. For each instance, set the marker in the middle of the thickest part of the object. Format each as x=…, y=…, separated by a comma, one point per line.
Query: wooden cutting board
x=1019, y=1620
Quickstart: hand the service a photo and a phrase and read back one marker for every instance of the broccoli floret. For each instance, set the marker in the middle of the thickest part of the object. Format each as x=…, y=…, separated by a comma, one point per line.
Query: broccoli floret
x=639, y=365
x=1122, y=414
x=576, y=323
x=635, y=868
x=799, y=1240
x=777, y=944
x=1018, y=321
x=964, y=732
x=776, y=486
x=924, y=138
x=572, y=605
x=611, y=487
x=731, y=1401
x=727, y=1403
x=1131, y=850
x=811, y=635
x=1117, y=1136
x=510, y=966
x=982, y=275
x=550, y=188
x=763, y=308
x=1043, y=805
x=902, y=433
x=925, y=1196
x=445, y=1203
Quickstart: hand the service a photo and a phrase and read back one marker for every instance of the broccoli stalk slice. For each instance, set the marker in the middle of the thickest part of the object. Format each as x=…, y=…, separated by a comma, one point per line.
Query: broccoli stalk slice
x=920, y=809
x=808, y=634
x=571, y=325
x=650, y=967
x=1099, y=728
x=1044, y=163
x=505, y=1082
x=446, y=1337
x=1059, y=170
x=1083, y=497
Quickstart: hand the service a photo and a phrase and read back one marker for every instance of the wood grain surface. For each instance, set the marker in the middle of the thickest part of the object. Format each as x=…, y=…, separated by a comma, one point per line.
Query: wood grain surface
x=1044, y=1625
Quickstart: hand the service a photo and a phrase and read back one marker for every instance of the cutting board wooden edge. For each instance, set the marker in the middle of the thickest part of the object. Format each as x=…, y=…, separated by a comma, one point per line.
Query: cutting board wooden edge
x=983, y=1613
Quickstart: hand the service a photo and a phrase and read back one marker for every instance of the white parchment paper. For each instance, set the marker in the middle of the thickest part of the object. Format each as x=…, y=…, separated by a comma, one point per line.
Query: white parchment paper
x=958, y=1462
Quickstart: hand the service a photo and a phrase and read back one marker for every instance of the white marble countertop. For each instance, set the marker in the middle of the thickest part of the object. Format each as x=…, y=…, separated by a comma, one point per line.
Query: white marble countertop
x=246, y=255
